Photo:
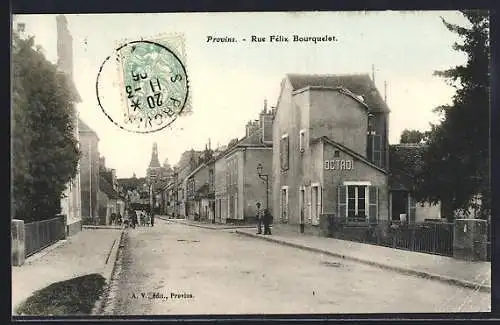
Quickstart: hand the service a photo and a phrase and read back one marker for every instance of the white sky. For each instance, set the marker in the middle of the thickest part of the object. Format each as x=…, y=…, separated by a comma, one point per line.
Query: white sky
x=229, y=81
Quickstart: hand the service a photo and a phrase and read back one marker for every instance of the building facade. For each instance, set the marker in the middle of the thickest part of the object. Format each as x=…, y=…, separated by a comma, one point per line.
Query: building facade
x=238, y=187
x=71, y=198
x=89, y=172
x=330, y=140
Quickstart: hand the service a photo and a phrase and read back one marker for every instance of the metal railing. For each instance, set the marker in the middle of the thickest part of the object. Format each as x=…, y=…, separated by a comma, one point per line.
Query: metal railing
x=427, y=237
x=40, y=234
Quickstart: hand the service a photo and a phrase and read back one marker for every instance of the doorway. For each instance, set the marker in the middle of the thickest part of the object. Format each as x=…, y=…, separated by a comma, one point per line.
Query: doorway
x=399, y=204
x=302, y=200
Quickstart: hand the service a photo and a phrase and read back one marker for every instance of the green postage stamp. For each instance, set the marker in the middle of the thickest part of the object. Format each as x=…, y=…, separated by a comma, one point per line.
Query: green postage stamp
x=153, y=84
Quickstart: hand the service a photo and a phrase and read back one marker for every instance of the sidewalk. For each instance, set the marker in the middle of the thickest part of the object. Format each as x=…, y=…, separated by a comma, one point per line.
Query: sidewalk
x=476, y=275
x=89, y=251
x=206, y=225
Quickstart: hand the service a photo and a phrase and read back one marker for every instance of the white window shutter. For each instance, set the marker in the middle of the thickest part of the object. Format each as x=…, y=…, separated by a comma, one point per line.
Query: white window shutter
x=341, y=201
x=373, y=204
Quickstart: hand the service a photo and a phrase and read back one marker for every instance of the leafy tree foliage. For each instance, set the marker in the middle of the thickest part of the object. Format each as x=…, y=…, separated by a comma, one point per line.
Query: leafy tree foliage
x=44, y=147
x=413, y=136
x=457, y=159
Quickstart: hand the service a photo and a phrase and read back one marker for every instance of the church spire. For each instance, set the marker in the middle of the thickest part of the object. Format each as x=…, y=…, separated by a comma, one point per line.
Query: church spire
x=155, y=162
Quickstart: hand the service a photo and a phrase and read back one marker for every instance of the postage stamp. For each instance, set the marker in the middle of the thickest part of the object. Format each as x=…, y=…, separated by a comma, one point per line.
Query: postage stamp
x=153, y=84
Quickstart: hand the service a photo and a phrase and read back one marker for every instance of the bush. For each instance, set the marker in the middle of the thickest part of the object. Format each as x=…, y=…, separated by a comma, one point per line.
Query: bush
x=76, y=296
x=44, y=146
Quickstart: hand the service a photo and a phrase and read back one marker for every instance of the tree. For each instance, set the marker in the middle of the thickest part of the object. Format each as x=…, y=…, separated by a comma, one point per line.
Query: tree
x=457, y=157
x=44, y=147
x=413, y=136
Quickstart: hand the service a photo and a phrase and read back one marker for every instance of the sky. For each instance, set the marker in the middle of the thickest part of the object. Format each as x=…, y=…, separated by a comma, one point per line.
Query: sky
x=230, y=81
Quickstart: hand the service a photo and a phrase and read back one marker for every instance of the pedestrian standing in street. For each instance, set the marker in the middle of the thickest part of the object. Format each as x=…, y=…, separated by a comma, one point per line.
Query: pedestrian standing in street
x=267, y=222
x=260, y=216
x=152, y=219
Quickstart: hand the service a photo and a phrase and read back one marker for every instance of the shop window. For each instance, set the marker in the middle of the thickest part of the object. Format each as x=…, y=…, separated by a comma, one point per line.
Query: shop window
x=284, y=152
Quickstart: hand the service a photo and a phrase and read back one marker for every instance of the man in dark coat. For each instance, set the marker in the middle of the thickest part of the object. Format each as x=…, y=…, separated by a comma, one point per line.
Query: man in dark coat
x=268, y=218
x=260, y=217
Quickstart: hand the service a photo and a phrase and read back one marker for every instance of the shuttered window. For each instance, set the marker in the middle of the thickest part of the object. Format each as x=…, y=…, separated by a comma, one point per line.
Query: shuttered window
x=341, y=201
x=358, y=203
x=284, y=152
x=377, y=150
x=373, y=204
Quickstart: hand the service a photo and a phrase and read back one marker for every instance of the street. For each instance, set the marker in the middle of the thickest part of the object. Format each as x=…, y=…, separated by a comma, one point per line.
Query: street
x=178, y=269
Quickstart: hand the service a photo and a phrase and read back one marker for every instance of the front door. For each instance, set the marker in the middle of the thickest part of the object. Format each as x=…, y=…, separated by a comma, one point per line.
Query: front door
x=284, y=205
x=399, y=204
x=302, y=210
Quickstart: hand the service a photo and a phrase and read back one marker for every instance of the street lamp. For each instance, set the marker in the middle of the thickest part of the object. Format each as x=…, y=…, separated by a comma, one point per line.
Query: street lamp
x=265, y=178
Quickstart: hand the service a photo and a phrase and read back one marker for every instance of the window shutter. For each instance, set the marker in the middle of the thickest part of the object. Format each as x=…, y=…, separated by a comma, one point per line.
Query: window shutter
x=373, y=204
x=282, y=147
x=286, y=153
x=341, y=201
x=411, y=209
x=369, y=148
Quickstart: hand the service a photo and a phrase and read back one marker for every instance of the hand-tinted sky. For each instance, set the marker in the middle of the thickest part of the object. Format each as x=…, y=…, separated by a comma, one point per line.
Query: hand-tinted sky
x=229, y=81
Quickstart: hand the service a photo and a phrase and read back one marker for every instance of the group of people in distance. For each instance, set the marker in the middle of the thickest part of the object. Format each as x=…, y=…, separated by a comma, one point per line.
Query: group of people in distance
x=133, y=218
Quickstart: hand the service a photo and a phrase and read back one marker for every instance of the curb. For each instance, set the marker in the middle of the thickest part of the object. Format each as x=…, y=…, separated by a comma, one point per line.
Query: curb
x=108, y=274
x=207, y=227
x=44, y=252
x=101, y=227
x=402, y=270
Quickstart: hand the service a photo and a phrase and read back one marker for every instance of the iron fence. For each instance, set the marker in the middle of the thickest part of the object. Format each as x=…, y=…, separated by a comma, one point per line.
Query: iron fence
x=427, y=237
x=40, y=234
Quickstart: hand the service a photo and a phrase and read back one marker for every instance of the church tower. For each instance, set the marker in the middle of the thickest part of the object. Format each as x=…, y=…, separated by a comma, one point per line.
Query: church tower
x=154, y=171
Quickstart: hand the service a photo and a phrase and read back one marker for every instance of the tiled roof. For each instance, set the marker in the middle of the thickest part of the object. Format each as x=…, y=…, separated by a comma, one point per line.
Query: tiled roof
x=107, y=188
x=83, y=127
x=358, y=84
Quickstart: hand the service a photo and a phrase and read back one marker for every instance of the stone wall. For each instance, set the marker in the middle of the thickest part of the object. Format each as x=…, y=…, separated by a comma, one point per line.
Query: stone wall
x=17, y=238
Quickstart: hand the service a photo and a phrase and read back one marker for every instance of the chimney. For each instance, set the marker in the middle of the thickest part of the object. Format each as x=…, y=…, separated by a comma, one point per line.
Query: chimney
x=64, y=47
x=102, y=163
x=266, y=126
x=248, y=128
x=385, y=91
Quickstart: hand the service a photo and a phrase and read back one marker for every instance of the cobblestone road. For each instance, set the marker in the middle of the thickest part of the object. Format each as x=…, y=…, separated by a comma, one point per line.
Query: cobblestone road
x=177, y=269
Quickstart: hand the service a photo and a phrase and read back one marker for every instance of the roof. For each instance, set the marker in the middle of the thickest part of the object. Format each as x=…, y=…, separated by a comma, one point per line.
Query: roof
x=406, y=162
x=83, y=127
x=107, y=188
x=357, y=84
x=351, y=152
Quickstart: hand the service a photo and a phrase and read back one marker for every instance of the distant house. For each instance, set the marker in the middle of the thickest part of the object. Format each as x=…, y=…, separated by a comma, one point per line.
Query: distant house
x=109, y=199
